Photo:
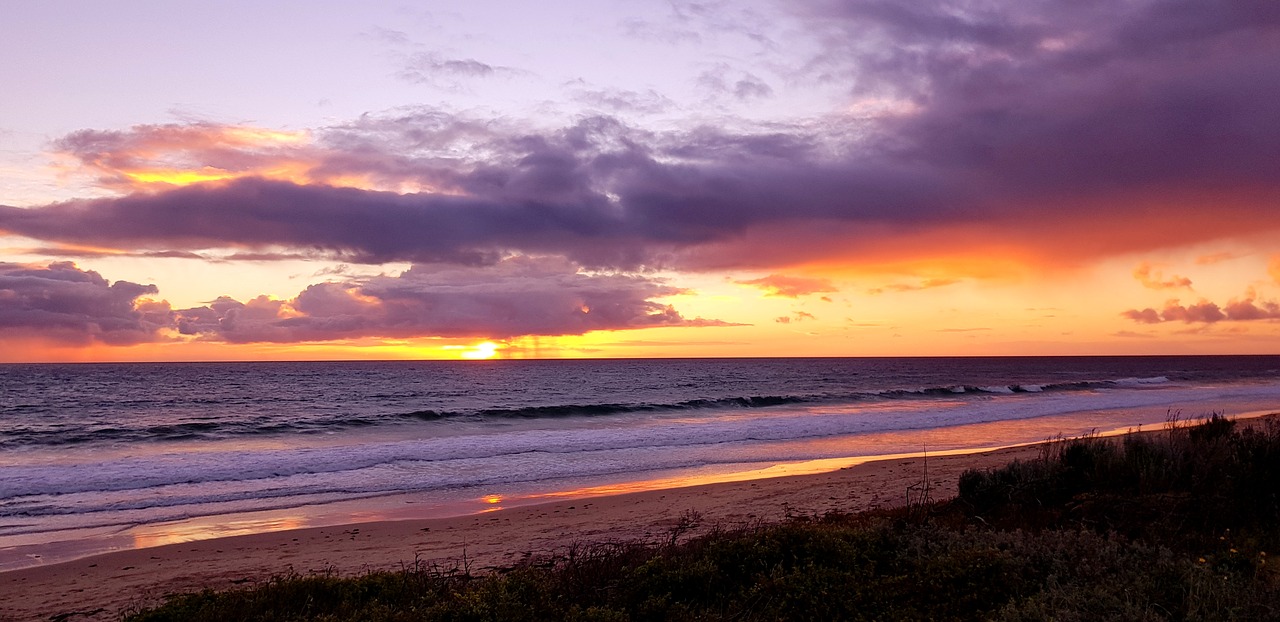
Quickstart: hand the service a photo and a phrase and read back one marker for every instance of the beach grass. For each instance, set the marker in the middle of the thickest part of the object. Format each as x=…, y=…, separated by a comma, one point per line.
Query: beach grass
x=1175, y=525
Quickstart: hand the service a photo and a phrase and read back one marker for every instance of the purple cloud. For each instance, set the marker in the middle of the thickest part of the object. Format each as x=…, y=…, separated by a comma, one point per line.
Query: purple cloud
x=432, y=67
x=1065, y=131
x=741, y=85
x=1206, y=312
x=1143, y=316
x=63, y=303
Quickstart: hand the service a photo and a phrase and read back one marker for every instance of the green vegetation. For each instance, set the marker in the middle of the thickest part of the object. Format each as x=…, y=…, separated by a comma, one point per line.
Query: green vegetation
x=1171, y=526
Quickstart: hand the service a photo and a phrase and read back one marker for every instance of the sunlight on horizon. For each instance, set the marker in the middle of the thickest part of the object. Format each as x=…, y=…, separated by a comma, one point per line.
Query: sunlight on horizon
x=478, y=352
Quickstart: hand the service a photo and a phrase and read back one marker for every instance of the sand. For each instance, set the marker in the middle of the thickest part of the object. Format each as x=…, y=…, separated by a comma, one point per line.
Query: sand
x=99, y=587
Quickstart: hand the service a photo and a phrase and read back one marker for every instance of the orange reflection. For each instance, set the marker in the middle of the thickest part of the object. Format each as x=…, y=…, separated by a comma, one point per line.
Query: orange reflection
x=211, y=527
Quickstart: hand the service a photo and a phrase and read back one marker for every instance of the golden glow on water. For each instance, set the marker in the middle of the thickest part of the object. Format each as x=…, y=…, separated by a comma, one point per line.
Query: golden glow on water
x=209, y=527
x=809, y=467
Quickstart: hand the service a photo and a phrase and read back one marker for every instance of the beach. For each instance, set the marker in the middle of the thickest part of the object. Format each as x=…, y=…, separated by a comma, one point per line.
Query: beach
x=98, y=587
x=224, y=475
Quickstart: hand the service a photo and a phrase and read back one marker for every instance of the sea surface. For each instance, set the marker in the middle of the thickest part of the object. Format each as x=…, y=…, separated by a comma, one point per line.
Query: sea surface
x=102, y=456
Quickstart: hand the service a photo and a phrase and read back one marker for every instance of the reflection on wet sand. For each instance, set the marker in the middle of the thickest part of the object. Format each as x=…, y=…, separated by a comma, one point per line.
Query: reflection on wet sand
x=212, y=527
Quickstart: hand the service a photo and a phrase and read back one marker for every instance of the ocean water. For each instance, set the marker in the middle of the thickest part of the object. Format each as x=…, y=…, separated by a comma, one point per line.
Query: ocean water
x=91, y=451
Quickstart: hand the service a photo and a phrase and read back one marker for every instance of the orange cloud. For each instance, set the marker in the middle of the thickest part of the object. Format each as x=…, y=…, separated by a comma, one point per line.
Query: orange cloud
x=798, y=316
x=149, y=157
x=790, y=286
x=1213, y=258
x=1274, y=268
x=157, y=157
x=1152, y=279
x=912, y=287
x=1003, y=247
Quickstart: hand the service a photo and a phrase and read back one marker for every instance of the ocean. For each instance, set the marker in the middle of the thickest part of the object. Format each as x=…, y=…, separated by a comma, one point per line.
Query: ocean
x=95, y=457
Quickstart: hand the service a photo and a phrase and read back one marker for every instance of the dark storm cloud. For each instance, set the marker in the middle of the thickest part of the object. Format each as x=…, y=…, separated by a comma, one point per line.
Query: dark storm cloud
x=518, y=296
x=1061, y=129
x=63, y=303
x=1048, y=95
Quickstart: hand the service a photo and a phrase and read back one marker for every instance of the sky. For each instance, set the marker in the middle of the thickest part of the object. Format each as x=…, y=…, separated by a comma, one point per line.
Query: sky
x=498, y=179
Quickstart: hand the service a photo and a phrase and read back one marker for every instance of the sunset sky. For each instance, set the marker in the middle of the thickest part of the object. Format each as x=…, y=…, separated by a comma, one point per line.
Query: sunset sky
x=318, y=180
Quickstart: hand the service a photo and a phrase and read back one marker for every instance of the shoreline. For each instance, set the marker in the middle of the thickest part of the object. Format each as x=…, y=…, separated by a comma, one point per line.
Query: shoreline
x=21, y=552
x=107, y=583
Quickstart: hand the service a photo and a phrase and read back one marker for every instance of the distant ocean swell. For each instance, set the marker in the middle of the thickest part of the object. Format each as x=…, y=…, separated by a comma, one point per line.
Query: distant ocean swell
x=70, y=434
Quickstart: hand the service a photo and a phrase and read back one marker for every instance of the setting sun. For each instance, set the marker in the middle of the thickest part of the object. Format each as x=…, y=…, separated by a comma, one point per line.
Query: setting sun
x=479, y=351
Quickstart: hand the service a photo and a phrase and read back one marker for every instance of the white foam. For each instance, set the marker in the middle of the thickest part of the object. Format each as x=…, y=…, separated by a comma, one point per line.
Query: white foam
x=1138, y=382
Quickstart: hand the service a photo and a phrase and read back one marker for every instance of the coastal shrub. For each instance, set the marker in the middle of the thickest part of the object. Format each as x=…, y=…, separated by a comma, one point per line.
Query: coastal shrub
x=1211, y=477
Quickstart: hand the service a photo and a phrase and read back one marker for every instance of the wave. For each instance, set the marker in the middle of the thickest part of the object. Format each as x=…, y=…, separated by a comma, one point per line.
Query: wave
x=253, y=478
x=71, y=435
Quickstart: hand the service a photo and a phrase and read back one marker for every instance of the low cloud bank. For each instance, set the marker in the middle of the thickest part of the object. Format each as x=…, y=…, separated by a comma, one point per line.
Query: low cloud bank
x=516, y=296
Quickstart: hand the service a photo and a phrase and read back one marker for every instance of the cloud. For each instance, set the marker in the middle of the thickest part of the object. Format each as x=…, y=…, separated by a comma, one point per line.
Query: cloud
x=623, y=100
x=1201, y=312
x=1152, y=279
x=789, y=286
x=740, y=85
x=1043, y=132
x=1206, y=312
x=1247, y=309
x=149, y=157
x=1143, y=316
x=63, y=251
x=515, y=297
x=1273, y=268
x=436, y=69
x=912, y=287
x=1128, y=334
x=62, y=303
x=1215, y=258
x=796, y=316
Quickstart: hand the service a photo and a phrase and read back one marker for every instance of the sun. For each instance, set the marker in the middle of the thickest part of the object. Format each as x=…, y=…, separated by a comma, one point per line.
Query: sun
x=480, y=351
